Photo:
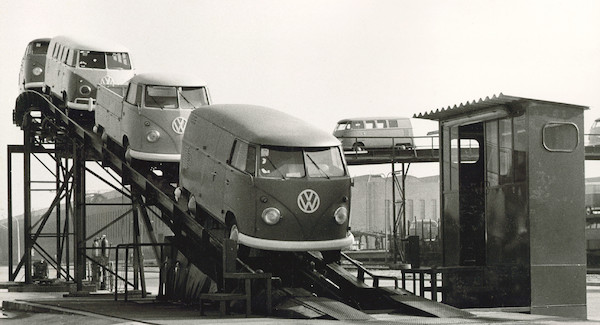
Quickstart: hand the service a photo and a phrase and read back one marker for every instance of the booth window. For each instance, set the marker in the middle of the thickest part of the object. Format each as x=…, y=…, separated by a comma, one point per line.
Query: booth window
x=560, y=136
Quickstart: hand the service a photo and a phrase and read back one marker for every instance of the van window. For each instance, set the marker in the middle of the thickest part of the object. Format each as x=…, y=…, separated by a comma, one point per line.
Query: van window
x=161, y=96
x=324, y=162
x=118, y=60
x=65, y=55
x=369, y=124
x=358, y=125
x=343, y=126
x=55, y=50
x=393, y=123
x=192, y=97
x=133, y=94
x=59, y=52
x=40, y=48
x=243, y=157
x=281, y=162
x=380, y=124
x=71, y=59
x=91, y=59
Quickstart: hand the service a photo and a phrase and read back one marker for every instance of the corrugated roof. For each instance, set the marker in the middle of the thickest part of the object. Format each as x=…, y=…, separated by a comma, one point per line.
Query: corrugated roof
x=477, y=106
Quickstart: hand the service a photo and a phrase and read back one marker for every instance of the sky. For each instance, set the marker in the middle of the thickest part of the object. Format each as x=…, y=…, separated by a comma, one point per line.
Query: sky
x=324, y=60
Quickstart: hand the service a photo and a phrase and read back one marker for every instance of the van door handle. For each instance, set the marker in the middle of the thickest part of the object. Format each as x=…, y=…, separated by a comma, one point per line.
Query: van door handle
x=214, y=174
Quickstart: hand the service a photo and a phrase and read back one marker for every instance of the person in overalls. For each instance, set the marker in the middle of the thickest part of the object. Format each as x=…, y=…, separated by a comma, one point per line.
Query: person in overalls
x=104, y=260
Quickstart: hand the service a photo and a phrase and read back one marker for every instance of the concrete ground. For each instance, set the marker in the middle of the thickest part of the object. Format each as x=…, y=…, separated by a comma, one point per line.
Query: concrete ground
x=98, y=308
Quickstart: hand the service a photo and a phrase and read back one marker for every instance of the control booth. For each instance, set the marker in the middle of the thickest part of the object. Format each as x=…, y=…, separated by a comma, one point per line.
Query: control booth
x=512, y=214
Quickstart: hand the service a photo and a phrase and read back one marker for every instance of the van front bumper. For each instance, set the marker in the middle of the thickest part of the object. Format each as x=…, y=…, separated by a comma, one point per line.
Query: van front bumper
x=152, y=156
x=34, y=85
x=296, y=246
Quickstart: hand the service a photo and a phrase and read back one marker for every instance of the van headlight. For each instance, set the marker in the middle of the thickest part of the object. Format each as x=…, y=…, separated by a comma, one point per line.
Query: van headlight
x=153, y=136
x=85, y=90
x=37, y=71
x=341, y=215
x=271, y=216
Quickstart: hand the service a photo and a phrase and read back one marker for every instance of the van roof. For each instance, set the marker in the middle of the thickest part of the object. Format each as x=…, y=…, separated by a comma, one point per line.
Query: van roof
x=91, y=44
x=265, y=126
x=369, y=118
x=44, y=39
x=168, y=79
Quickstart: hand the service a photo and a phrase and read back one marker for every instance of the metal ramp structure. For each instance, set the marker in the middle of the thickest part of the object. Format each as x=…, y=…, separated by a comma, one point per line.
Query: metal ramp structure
x=306, y=286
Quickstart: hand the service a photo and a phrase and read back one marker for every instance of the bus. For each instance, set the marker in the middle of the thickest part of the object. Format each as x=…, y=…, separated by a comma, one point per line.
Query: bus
x=75, y=68
x=33, y=64
x=594, y=136
x=272, y=180
x=366, y=133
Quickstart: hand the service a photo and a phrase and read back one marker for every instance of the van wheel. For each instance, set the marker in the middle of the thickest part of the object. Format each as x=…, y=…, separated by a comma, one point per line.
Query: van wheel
x=359, y=146
x=233, y=233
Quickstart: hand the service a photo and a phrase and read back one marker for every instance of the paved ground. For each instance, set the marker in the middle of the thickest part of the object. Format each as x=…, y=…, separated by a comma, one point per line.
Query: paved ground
x=53, y=308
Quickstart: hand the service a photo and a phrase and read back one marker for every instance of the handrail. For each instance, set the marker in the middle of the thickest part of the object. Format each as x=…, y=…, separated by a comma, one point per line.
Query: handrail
x=362, y=270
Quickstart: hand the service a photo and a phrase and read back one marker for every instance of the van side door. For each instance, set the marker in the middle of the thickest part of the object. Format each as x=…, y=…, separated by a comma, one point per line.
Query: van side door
x=239, y=192
x=129, y=116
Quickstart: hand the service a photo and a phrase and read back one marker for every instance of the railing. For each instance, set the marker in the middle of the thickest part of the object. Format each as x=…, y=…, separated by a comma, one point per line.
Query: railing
x=420, y=277
x=125, y=278
x=362, y=271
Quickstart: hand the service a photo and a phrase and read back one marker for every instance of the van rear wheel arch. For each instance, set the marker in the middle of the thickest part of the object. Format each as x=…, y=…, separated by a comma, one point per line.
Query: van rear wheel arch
x=358, y=146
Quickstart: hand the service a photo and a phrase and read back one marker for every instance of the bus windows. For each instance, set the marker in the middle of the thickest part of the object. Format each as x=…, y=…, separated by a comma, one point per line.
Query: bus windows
x=380, y=124
x=343, y=126
x=369, y=124
x=393, y=123
x=91, y=60
x=357, y=125
x=118, y=60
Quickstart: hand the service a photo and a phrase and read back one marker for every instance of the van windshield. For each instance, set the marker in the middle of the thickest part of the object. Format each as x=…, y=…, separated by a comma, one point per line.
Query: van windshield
x=286, y=162
x=104, y=60
x=175, y=97
x=39, y=48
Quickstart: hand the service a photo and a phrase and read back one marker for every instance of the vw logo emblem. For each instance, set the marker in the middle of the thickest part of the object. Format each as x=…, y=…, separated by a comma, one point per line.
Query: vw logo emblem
x=107, y=81
x=308, y=201
x=178, y=125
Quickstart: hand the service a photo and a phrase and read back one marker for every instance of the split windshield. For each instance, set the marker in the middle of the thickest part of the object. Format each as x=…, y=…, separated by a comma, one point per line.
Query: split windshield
x=175, y=97
x=285, y=162
x=104, y=60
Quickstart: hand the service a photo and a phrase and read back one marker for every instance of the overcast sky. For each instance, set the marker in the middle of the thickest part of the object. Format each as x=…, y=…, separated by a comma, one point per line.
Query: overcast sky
x=326, y=60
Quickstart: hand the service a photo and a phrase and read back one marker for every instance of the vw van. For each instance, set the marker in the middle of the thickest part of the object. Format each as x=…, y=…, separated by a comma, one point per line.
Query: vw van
x=366, y=133
x=274, y=181
x=75, y=67
x=33, y=64
x=148, y=116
